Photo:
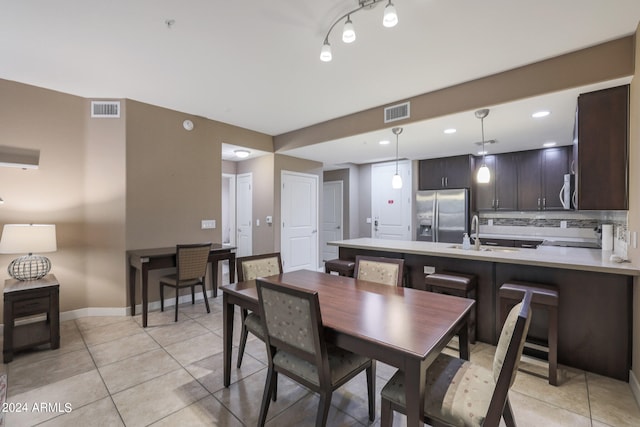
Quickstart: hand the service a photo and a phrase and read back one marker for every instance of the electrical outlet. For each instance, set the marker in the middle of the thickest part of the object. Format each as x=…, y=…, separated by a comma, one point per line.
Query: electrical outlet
x=563, y=224
x=208, y=223
x=489, y=222
x=429, y=269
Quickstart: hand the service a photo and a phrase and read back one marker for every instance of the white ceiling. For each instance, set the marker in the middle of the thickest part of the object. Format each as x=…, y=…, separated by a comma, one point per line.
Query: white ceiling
x=256, y=64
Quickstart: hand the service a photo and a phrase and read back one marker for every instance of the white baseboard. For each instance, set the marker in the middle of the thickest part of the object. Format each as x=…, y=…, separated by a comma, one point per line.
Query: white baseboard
x=118, y=311
x=635, y=386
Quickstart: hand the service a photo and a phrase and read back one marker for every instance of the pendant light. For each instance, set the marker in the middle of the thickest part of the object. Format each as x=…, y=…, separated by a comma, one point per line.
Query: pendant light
x=348, y=32
x=396, y=181
x=484, y=175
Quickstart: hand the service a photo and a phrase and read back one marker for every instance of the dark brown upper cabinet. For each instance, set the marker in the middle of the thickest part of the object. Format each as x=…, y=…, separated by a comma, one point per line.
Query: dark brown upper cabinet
x=445, y=172
x=541, y=177
x=500, y=192
x=602, y=176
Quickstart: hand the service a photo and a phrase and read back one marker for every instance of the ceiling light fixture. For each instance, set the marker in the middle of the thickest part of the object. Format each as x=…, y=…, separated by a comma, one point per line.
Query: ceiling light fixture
x=539, y=114
x=450, y=131
x=242, y=154
x=390, y=19
x=484, y=175
x=396, y=181
x=549, y=144
x=384, y=142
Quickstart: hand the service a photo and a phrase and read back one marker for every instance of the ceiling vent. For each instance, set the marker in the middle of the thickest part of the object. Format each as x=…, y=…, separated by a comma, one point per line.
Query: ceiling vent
x=105, y=109
x=397, y=112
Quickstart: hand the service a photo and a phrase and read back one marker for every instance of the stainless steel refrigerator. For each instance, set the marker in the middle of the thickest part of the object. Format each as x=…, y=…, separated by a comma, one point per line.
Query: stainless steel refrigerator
x=442, y=215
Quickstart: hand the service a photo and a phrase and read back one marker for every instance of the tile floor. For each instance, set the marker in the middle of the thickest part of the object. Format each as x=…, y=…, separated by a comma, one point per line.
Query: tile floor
x=109, y=371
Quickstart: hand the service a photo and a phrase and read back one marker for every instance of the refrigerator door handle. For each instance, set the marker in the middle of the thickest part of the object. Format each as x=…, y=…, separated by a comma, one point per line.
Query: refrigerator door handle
x=436, y=220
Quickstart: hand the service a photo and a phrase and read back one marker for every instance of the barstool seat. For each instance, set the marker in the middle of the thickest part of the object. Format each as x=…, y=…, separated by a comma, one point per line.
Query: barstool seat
x=459, y=285
x=545, y=297
x=341, y=266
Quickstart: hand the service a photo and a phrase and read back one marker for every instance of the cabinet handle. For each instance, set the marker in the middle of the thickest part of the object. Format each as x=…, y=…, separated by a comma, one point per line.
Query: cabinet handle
x=442, y=181
x=538, y=202
x=497, y=203
x=544, y=203
x=446, y=181
x=493, y=203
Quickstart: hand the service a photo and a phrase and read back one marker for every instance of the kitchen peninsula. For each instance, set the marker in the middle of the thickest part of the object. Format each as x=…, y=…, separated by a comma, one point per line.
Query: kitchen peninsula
x=595, y=310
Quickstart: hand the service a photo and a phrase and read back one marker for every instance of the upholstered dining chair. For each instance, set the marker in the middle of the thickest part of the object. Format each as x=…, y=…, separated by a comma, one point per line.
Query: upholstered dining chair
x=191, y=270
x=462, y=393
x=388, y=271
x=249, y=268
x=296, y=347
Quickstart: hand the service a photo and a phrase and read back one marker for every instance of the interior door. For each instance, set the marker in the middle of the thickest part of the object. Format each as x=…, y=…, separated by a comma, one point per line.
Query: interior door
x=331, y=218
x=228, y=209
x=391, y=207
x=244, y=214
x=299, y=210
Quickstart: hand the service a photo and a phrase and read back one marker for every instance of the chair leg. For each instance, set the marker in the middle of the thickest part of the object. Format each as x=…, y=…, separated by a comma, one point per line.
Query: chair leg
x=386, y=413
x=371, y=389
x=161, y=296
x=243, y=337
x=507, y=414
x=266, y=396
x=193, y=294
x=323, y=408
x=275, y=386
x=204, y=295
x=177, y=296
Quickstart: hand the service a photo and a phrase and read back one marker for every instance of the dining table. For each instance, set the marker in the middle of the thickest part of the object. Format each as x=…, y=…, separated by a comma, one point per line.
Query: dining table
x=144, y=260
x=402, y=327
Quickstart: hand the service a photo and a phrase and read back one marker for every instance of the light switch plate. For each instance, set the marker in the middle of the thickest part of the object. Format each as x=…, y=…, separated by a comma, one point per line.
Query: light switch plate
x=563, y=224
x=208, y=223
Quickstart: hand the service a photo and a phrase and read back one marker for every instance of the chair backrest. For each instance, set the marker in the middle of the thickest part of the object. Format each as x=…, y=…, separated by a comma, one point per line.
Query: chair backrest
x=293, y=323
x=251, y=267
x=507, y=356
x=191, y=260
x=388, y=271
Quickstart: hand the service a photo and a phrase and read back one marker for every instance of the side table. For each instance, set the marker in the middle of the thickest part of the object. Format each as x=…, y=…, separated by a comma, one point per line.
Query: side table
x=30, y=298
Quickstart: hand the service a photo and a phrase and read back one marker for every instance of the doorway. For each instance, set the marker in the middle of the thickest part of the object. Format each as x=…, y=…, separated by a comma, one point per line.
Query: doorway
x=244, y=214
x=332, y=221
x=228, y=209
x=299, y=211
x=391, y=207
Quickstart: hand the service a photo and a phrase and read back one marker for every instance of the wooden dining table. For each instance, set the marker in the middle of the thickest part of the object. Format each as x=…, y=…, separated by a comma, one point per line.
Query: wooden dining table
x=144, y=260
x=402, y=327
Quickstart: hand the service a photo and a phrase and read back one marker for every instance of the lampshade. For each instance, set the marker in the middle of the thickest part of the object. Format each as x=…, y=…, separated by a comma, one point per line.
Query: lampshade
x=390, y=18
x=484, y=175
x=325, y=53
x=27, y=239
x=396, y=181
x=348, y=32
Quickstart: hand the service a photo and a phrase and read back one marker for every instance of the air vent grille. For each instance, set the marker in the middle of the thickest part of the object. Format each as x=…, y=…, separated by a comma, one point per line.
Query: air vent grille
x=105, y=109
x=397, y=112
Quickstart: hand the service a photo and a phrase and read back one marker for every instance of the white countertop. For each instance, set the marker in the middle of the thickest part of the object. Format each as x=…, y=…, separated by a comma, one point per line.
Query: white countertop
x=545, y=256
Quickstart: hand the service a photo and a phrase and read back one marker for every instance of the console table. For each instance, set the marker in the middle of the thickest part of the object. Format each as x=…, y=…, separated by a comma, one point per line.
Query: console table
x=30, y=298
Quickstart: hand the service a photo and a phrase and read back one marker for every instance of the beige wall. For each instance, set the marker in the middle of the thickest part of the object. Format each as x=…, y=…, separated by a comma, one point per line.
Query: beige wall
x=634, y=202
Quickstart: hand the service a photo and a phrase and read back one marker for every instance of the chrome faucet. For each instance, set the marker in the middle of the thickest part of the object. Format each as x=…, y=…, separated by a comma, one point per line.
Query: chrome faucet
x=476, y=242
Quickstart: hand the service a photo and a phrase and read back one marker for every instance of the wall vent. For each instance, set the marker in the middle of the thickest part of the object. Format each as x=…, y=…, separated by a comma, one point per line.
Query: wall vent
x=105, y=109
x=397, y=112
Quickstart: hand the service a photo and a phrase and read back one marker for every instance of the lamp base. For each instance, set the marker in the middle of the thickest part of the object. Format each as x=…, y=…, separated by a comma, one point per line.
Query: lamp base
x=29, y=267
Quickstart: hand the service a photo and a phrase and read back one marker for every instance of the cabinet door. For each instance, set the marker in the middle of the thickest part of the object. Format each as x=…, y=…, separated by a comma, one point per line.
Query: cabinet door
x=486, y=193
x=529, y=178
x=458, y=172
x=431, y=176
x=506, y=179
x=555, y=164
x=603, y=131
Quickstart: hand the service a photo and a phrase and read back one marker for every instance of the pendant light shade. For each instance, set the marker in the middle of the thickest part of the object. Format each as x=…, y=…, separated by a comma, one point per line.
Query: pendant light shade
x=348, y=32
x=396, y=181
x=484, y=175
x=325, y=53
x=390, y=18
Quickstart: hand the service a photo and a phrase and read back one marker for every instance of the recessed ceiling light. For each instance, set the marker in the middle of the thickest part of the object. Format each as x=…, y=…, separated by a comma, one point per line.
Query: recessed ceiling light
x=450, y=130
x=539, y=114
x=549, y=144
x=385, y=142
x=242, y=154
x=482, y=153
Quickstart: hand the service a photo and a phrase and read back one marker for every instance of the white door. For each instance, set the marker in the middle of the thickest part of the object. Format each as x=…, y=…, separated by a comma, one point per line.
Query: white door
x=390, y=207
x=244, y=215
x=331, y=218
x=299, y=210
x=228, y=209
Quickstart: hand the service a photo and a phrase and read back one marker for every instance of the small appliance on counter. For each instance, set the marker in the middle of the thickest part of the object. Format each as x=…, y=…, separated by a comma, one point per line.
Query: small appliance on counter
x=442, y=215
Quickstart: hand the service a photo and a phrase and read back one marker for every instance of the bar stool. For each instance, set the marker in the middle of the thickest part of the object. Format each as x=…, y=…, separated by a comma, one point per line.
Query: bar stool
x=341, y=266
x=459, y=285
x=543, y=297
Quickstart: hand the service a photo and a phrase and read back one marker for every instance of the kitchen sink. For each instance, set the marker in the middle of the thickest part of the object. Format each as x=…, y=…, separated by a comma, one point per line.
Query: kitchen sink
x=487, y=248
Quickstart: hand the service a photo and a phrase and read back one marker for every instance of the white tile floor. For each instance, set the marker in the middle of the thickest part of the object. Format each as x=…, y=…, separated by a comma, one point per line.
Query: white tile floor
x=110, y=371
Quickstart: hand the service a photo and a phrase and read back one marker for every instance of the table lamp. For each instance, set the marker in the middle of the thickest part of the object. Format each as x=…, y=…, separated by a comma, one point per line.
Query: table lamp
x=28, y=238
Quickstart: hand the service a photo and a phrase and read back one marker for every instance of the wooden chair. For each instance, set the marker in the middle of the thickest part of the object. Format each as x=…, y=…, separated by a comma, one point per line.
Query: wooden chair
x=388, y=271
x=249, y=268
x=296, y=348
x=191, y=269
x=459, y=392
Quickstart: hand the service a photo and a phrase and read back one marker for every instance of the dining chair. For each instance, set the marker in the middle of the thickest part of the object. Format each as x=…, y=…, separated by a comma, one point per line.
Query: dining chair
x=249, y=268
x=462, y=393
x=191, y=270
x=296, y=347
x=388, y=271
